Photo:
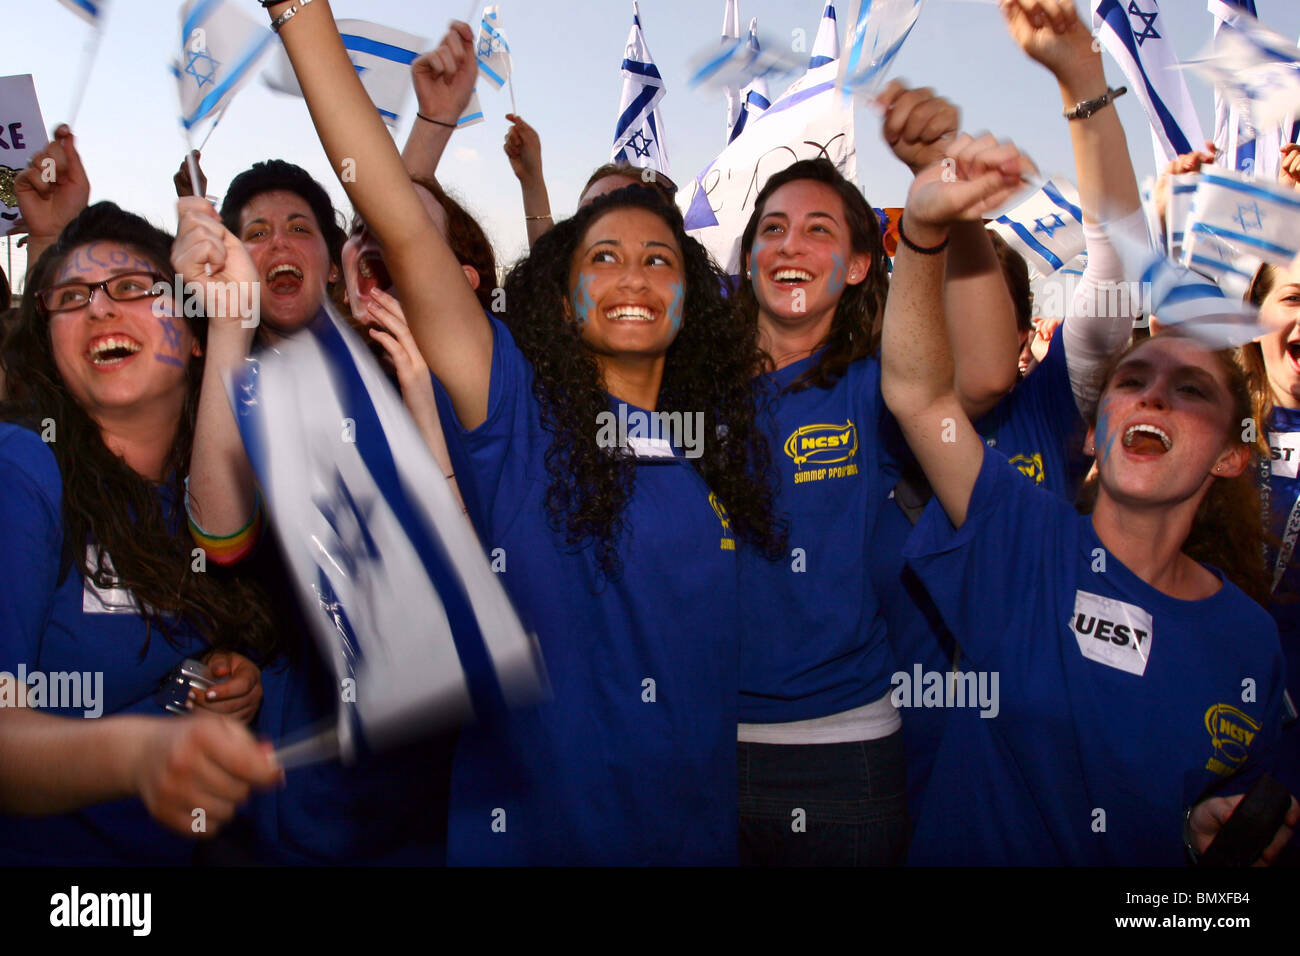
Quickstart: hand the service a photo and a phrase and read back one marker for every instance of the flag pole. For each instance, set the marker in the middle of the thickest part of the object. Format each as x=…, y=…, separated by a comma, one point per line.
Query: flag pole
x=511, y=83
x=89, y=52
x=220, y=116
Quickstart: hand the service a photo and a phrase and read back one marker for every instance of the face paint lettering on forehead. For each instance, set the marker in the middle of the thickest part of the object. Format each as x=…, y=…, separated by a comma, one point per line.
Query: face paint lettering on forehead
x=675, y=307
x=584, y=305
x=97, y=256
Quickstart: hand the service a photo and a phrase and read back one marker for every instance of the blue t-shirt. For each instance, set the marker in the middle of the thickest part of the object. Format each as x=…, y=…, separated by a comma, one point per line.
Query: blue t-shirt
x=1115, y=706
x=633, y=760
x=813, y=641
x=1039, y=429
x=54, y=626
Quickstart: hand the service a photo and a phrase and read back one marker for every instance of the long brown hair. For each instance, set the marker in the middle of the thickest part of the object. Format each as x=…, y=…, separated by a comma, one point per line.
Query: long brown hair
x=855, y=329
x=104, y=500
x=1228, y=530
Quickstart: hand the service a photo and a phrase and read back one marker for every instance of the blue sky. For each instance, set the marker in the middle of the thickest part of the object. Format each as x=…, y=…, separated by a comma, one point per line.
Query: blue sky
x=567, y=82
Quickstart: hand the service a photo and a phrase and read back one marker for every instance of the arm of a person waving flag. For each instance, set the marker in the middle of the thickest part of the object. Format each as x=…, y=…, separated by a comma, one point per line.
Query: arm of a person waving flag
x=448, y=325
x=442, y=92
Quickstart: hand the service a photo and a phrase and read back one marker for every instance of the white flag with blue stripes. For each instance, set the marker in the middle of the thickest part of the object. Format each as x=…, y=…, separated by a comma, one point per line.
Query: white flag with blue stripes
x=1046, y=229
x=755, y=97
x=393, y=580
x=1256, y=69
x=1181, y=189
x=808, y=121
x=740, y=62
x=735, y=99
x=826, y=45
x=219, y=48
x=874, y=39
x=1184, y=301
x=92, y=11
x=492, y=48
x=1236, y=223
x=381, y=56
x=1133, y=32
x=1241, y=146
x=638, y=133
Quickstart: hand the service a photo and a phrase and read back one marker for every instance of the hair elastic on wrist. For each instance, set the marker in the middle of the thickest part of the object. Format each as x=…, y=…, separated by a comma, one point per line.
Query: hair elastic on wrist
x=923, y=250
x=430, y=119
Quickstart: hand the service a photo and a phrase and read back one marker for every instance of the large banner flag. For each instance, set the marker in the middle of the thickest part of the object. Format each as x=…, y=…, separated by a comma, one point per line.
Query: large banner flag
x=1134, y=34
x=808, y=121
x=381, y=56
x=22, y=135
x=1240, y=145
x=92, y=11
x=755, y=97
x=417, y=629
x=826, y=45
x=638, y=134
x=219, y=48
x=1046, y=229
x=877, y=34
x=735, y=99
x=1236, y=223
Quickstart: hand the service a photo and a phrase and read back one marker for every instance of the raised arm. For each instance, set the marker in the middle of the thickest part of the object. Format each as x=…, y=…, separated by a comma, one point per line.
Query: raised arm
x=919, y=126
x=51, y=191
x=446, y=321
x=523, y=148
x=441, y=94
x=916, y=356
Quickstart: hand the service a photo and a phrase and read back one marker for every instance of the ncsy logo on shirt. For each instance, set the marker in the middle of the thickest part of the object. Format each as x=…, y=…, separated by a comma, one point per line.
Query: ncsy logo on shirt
x=814, y=445
x=1112, y=632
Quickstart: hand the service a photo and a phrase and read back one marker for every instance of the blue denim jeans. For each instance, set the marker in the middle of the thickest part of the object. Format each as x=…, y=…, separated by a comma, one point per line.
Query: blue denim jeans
x=823, y=804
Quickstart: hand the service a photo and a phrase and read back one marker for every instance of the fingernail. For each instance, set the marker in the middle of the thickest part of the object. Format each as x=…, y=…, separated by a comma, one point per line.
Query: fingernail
x=212, y=695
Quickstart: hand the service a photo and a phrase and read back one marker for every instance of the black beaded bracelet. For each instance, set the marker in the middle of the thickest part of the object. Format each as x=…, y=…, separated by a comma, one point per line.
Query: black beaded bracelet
x=430, y=119
x=931, y=251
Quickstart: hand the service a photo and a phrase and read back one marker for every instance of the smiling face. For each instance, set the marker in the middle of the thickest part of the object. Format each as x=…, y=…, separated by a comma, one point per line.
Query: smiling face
x=1164, y=425
x=118, y=356
x=1280, y=311
x=626, y=284
x=285, y=241
x=802, y=259
x=364, y=269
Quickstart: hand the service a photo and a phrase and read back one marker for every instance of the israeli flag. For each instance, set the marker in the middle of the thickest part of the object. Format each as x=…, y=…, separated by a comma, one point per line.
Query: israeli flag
x=1181, y=189
x=418, y=631
x=381, y=56
x=1236, y=223
x=806, y=122
x=735, y=99
x=755, y=95
x=638, y=134
x=1257, y=70
x=219, y=49
x=92, y=11
x=1046, y=229
x=1134, y=34
x=826, y=46
x=492, y=49
x=1240, y=145
x=878, y=33
x=1180, y=299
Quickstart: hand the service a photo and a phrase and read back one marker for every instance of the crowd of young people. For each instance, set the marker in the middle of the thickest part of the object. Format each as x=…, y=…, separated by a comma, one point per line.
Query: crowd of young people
x=882, y=496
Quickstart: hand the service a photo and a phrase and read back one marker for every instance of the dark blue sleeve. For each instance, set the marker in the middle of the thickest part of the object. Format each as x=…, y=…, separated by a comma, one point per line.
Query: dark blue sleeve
x=31, y=497
x=1014, y=534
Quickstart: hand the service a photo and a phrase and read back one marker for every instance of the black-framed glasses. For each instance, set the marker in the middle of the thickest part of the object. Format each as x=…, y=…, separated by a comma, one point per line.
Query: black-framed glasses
x=124, y=287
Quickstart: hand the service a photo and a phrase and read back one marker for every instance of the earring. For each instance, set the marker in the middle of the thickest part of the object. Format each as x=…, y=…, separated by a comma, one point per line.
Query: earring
x=748, y=274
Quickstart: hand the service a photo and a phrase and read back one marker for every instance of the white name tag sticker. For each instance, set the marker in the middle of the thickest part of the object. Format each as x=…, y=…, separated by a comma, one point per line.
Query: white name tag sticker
x=1286, y=454
x=1112, y=632
x=650, y=447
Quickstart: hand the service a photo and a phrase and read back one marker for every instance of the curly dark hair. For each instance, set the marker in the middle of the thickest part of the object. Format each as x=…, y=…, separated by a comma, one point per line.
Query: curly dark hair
x=709, y=368
x=1228, y=530
x=855, y=330
x=104, y=500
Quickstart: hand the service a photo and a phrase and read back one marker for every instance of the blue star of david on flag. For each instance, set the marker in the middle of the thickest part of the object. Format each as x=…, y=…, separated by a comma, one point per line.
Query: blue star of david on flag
x=1148, y=29
x=1249, y=217
x=196, y=68
x=641, y=142
x=1049, y=225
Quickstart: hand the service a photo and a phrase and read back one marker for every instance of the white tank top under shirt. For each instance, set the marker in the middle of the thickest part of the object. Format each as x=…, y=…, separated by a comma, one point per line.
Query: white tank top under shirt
x=868, y=722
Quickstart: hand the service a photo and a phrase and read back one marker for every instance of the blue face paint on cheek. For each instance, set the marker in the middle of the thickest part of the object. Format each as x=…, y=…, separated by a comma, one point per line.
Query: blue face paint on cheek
x=1105, y=440
x=583, y=304
x=675, y=307
x=835, y=283
x=169, y=351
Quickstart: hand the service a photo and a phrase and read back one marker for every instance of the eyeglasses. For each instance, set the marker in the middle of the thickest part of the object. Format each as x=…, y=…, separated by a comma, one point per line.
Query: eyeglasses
x=125, y=287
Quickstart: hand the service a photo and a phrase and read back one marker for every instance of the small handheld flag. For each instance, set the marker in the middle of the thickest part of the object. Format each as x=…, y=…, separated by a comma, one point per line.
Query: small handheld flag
x=638, y=133
x=1046, y=229
x=755, y=98
x=219, y=48
x=731, y=31
x=877, y=34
